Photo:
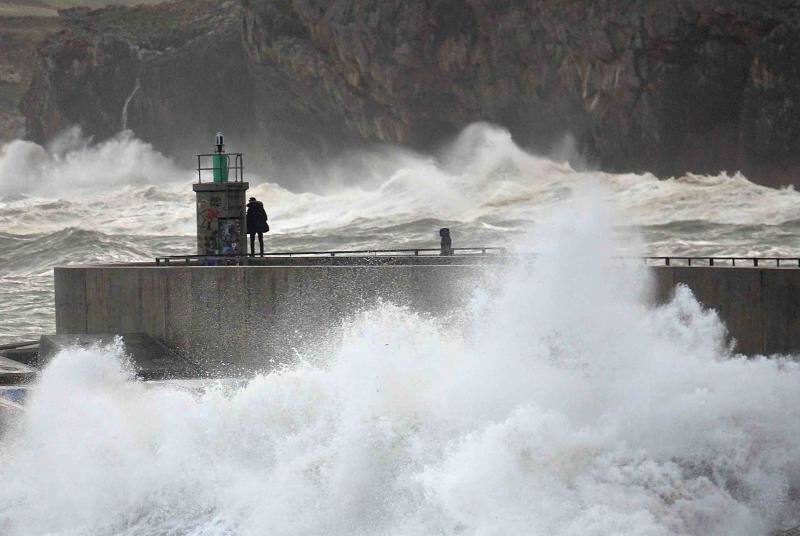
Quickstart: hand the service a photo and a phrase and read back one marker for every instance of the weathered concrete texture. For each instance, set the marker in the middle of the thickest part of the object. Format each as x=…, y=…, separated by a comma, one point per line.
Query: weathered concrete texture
x=70, y=300
x=759, y=306
x=27, y=354
x=14, y=373
x=254, y=317
x=150, y=358
x=221, y=221
x=249, y=316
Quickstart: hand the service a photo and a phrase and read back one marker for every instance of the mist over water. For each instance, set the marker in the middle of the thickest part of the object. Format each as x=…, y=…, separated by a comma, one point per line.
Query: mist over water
x=561, y=406
x=77, y=202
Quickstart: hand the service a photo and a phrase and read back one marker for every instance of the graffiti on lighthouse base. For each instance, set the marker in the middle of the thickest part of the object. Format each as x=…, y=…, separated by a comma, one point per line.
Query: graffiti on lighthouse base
x=231, y=234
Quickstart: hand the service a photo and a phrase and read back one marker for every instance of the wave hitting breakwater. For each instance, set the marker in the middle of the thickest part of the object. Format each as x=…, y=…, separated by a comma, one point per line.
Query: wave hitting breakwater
x=561, y=406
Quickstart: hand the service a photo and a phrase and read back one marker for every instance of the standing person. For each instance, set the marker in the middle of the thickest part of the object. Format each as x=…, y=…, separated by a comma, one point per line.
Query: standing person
x=447, y=242
x=256, y=225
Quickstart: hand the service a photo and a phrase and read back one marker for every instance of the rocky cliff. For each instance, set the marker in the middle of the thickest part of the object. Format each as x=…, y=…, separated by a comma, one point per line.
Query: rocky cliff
x=173, y=73
x=20, y=36
x=643, y=85
x=24, y=26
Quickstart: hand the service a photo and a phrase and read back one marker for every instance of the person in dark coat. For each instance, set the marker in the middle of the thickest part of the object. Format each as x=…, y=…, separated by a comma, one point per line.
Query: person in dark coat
x=256, y=225
x=447, y=242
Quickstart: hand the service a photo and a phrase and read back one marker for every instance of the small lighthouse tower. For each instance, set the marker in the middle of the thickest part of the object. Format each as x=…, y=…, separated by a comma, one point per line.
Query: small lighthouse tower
x=221, y=206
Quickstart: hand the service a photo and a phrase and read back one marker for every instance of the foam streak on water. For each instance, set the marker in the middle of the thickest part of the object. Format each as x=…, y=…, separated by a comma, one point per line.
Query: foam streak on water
x=561, y=406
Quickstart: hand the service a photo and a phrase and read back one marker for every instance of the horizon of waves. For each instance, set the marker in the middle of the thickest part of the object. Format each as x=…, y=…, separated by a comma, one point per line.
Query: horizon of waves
x=561, y=406
x=482, y=180
x=128, y=202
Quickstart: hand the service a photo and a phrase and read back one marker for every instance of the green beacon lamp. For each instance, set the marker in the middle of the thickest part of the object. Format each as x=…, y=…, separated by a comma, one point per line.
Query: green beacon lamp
x=219, y=160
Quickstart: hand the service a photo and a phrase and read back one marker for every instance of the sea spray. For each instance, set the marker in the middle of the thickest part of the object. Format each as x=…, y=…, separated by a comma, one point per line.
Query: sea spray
x=483, y=177
x=119, y=200
x=564, y=405
x=71, y=165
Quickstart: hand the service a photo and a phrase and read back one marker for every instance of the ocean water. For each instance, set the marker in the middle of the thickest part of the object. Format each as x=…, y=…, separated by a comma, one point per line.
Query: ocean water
x=560, y=406
x=76, y=202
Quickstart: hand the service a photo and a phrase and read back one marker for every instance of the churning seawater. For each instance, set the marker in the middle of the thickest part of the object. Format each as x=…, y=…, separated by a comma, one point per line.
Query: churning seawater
x=74, y=202
x=560, y=406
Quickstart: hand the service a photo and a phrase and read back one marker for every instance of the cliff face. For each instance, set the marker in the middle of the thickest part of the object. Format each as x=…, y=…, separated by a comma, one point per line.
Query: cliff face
x=659, y=86
x=19, y=39
x=173, y=73
x=668, y=87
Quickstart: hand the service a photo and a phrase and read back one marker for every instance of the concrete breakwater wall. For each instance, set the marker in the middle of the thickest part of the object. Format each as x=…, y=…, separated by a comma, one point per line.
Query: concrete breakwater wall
x=759, y=306
x=254, y=316
x=248, y=316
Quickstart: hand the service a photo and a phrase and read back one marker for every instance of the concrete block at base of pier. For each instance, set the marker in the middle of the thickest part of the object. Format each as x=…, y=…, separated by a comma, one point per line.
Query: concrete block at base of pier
x=15, y=373
x=27, y=355
x=151, y=358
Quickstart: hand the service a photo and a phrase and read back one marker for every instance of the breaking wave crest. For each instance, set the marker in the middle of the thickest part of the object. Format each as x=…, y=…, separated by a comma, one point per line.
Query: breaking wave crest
x=561, y=406
x=71, y=165
x=137, y=203
x=482, y=184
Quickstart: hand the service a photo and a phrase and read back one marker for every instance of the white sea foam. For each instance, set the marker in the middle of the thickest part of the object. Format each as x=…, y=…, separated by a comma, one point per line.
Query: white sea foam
x=564, y=406
x=482, y=177
x=120, y=200
x=71, y=165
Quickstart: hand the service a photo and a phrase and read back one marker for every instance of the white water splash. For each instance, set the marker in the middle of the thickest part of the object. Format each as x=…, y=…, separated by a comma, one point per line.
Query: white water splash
x=482, y=179
x=120, y=200
x=564, y=407
x=71, y=166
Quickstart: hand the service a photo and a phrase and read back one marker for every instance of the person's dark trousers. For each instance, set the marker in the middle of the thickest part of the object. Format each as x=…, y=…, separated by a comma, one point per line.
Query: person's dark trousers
x=253, y=244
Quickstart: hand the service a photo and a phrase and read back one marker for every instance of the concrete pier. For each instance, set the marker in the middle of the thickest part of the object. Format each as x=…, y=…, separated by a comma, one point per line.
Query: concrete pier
x=255, y=316
x=760, y=306
x=249, y=316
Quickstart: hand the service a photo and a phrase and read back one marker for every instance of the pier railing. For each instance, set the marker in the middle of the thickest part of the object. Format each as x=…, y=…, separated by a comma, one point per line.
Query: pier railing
x=411, y=252
x=233, y=168
x=662, y=260
x=755, y=262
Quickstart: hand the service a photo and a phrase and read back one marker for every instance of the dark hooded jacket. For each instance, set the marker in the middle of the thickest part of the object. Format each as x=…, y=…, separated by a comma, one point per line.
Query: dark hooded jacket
x=447, y=242
x=256, y=217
